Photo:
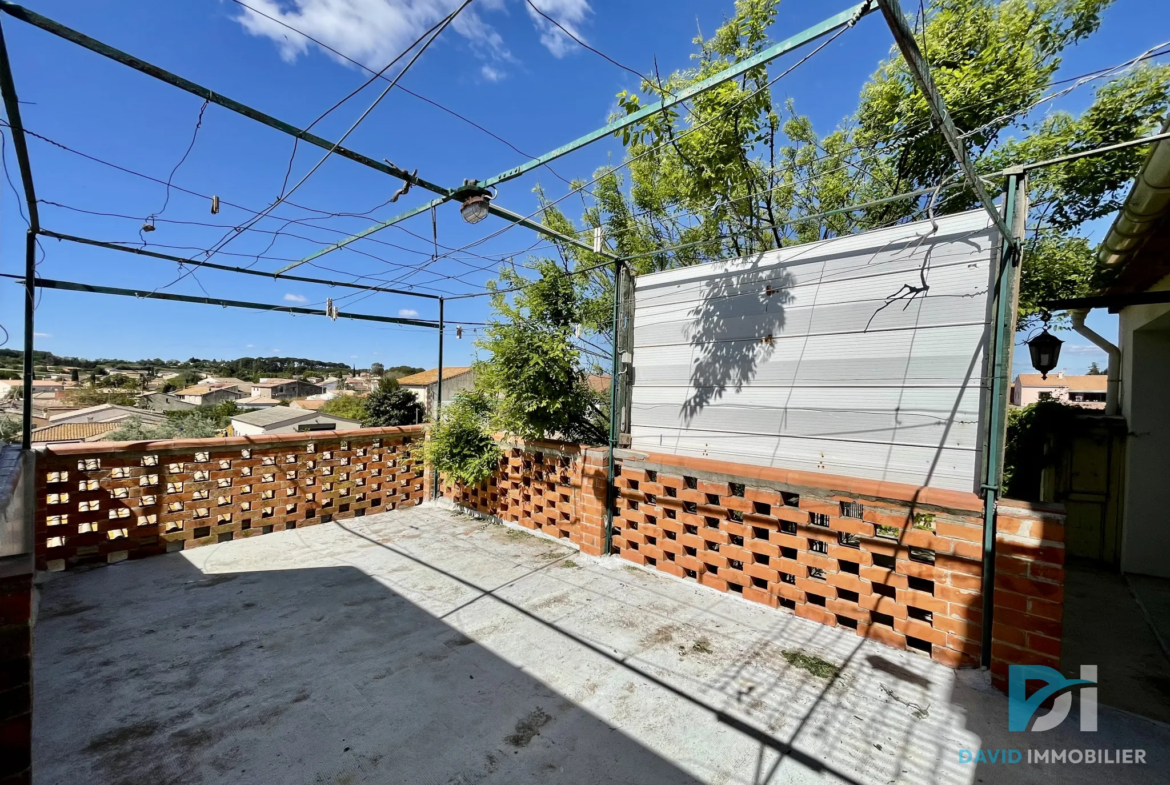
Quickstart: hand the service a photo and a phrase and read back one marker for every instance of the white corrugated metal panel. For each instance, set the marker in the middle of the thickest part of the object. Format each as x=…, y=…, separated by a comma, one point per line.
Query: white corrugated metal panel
x=824, y=357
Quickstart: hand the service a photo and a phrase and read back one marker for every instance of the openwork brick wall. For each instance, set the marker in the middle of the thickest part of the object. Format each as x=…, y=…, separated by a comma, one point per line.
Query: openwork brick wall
x=898, y=564
x=555, y=488
x=104, y=502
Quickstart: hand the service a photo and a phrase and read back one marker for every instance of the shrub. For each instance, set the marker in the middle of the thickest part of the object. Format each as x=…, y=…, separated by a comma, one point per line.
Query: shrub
x=461, y=444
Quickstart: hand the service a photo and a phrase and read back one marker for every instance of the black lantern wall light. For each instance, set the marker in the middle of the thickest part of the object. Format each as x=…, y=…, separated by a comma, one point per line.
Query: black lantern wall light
x=1045, y=349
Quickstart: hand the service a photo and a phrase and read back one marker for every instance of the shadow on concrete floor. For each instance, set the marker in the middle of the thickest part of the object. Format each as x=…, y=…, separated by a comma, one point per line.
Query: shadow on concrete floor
x=309, y=676
x=423, y=647
x=1105, y=625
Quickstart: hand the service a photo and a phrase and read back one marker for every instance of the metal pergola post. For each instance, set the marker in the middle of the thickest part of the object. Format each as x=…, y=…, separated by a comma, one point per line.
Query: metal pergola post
x=614, y=415
x=999, y=365
x=438, y=398
x=19, y=144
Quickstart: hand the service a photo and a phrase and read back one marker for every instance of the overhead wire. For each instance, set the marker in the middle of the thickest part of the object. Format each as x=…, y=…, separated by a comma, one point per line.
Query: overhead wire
x=1077, y=81
x=425, y=44
x=627, y=162
x=404, y=89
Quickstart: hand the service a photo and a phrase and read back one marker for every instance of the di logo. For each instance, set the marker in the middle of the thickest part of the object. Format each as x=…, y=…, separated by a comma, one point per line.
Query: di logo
x=1022, y=709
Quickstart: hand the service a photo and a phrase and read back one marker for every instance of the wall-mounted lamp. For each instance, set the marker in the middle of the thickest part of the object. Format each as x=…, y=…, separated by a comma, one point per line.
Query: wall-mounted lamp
x=1045, y=350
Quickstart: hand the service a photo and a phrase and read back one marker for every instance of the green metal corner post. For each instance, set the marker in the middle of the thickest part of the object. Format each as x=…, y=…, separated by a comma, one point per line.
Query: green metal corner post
x=438, y=397
x=12, y=108
x=614, y=415
x=999, y=365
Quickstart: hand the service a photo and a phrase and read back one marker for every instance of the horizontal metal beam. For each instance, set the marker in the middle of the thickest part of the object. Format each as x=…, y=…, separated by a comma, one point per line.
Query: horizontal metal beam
x=364, y=233
x=771, y=53
x=73, y=36
x=46, y=283
x=92, y=44
x=241, y=270
x=767, y=55
x=1114, y=302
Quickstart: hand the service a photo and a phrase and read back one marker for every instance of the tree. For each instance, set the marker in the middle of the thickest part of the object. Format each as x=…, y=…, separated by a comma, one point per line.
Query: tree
x=74, y=376
x=461, y=446
x=1094, y=370
x=349, y=406
x=390, y=405
x=377, y=369
x=193, y=426
x=747, y=173
x=10, y=430
x=95, y=396
x=535, y=376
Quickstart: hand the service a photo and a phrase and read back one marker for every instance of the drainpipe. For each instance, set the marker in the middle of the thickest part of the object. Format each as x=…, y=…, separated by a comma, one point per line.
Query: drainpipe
x=1113, y=384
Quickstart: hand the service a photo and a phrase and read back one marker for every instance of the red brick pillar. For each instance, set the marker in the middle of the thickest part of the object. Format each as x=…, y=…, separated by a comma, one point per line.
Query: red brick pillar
x=1029, y=587
x=16, y=588
x=591, y=500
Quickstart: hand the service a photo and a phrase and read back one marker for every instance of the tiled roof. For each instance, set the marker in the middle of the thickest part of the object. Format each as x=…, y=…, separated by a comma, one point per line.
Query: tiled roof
x=273, y=382
x=598, y=383
x=429, y=377
x=1095, y=383
x=73, y=431
x=199, y=389
x=304, y=403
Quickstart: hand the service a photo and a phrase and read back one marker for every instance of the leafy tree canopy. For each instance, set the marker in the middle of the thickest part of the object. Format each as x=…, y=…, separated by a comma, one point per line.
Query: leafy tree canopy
x=736, y=173
x=351, y=407
x=390, y=405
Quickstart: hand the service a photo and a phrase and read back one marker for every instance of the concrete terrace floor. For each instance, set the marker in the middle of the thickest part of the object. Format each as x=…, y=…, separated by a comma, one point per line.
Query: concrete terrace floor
x=422, y=646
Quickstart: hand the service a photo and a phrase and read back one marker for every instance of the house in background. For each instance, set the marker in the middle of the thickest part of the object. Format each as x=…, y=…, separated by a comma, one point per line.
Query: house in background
x=7, y=386
x=228, y=381
x=285, y=419
x=285, y=389
x=163, y=402
x=209, y=394
x=64, y=433
x=257, y=402
x=1084, y=391
x=425, y=385
x=310, y=404
x=107, y=412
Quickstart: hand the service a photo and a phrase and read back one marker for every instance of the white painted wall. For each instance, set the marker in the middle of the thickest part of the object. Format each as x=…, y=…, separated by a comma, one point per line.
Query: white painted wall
x=859, y=379
x=1145, y=377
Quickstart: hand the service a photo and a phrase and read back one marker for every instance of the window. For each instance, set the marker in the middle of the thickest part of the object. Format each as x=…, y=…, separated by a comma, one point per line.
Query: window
x=1046, y=396
x=317, y=426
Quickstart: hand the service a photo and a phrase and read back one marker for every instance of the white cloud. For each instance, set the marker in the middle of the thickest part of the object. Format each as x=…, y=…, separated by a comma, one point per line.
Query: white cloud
x=250, y=346
x=408, y=313
x=569, y=13
x=296, y=298
x=1082, y=348
x=372, y=32
x=42, y=335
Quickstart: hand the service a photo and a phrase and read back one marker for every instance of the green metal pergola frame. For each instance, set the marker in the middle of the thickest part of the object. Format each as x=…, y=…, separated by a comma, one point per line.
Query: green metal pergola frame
x=1008, y=222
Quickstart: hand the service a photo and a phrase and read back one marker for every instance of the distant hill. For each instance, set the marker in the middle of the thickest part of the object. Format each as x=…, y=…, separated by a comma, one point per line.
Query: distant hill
x=242, y=367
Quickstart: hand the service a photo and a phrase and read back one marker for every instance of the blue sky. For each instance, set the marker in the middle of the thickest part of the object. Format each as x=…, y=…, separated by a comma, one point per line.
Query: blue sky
x=500, y=67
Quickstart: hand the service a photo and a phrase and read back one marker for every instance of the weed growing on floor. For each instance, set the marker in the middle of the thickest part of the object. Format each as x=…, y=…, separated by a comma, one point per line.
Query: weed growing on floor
x=570, y=564
x=822, y=669
x=701, y=646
